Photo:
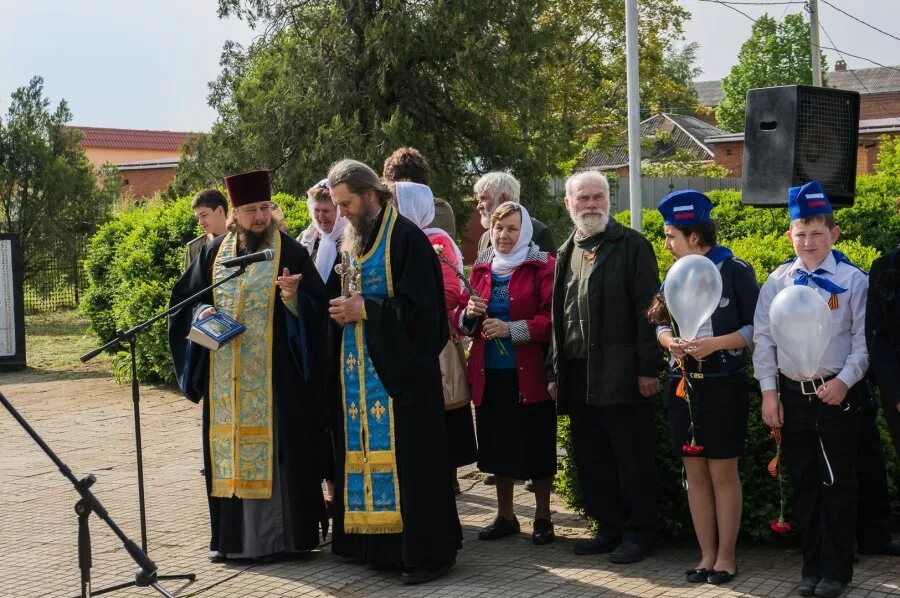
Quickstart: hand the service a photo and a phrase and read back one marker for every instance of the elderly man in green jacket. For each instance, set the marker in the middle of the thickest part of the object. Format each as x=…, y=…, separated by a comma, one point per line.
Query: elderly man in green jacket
x=605, y=361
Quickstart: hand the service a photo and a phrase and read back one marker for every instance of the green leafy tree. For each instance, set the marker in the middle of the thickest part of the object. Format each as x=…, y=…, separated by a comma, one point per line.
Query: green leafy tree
x=475, y=85
x=683, y=164
x=49, y=192
x=681, y=70
x=775, y=54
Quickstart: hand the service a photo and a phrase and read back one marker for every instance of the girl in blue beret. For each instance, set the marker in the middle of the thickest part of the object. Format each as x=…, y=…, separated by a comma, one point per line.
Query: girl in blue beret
x=708, y=431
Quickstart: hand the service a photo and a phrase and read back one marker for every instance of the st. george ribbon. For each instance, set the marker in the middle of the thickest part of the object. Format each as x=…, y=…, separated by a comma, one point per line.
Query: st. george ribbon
x=266, y=255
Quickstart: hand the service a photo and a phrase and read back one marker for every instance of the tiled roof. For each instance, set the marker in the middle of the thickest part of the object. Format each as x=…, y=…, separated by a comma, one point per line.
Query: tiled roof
x=137, y=139
x=687, y=132
x=865, y=81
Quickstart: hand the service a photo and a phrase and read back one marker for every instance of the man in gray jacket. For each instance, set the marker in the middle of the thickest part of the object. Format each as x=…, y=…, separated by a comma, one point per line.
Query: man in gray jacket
x=605, y=362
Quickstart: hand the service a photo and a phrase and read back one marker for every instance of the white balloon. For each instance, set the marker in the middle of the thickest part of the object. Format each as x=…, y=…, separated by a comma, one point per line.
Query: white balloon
x=800, y=321
x=693, y=290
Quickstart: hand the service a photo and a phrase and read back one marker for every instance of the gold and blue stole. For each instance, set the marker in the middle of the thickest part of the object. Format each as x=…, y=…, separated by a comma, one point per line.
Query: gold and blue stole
x=371, y=487
x=240, y=379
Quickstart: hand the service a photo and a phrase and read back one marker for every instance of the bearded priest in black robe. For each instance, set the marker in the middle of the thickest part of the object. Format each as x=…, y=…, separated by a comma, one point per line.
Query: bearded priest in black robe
x=394, y=503
x=263, y=415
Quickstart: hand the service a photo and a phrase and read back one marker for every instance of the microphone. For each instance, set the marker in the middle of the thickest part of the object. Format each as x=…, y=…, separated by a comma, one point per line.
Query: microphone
x=243, y=261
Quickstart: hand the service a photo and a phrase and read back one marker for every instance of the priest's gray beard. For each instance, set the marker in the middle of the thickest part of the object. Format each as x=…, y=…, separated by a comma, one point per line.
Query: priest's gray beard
x=588, y=225
x=249, y=241
x=357, y=234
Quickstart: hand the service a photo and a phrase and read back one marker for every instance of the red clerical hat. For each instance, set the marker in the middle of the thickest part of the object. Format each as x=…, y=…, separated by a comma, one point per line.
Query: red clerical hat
x=249, y=187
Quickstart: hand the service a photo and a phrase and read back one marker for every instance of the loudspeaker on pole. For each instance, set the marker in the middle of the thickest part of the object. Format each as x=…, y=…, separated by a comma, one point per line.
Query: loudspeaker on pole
x=795, y=134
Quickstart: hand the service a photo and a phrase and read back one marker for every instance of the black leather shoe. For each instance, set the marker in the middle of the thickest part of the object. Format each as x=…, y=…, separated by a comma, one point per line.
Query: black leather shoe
x=542, y=532
x=807, y=586
x=829, y=588
x=217, y=557
x=697, y=575
x=416, y=575
x=489, y=479
x=596, y=545
x=627, y=553
x=499, y=528
x=720, y=577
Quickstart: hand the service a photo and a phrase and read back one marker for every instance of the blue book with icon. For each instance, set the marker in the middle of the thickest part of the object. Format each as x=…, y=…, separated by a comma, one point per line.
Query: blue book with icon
x=214, y=331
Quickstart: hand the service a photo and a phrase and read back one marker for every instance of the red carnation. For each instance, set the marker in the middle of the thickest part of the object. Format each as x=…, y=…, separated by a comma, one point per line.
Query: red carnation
x=693, y=449
x=780, y=526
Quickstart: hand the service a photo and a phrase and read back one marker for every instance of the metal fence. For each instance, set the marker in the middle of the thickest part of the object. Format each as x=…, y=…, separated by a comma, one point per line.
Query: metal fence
x=654, y=189
x=54, y=270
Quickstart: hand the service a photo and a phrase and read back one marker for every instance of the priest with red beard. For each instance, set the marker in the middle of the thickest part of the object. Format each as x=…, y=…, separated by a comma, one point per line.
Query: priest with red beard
x=394, y=502
x=263, y=414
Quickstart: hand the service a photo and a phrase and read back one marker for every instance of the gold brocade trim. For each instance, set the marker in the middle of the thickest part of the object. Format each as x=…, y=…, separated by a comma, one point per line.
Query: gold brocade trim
x=230, y=434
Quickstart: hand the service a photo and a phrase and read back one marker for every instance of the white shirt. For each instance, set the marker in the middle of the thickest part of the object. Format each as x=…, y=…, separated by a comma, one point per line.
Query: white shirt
x=846, y=354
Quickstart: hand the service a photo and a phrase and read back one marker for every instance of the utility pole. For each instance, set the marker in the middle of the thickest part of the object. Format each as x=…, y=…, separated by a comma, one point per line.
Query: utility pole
x=634, y=114
x=814, y=42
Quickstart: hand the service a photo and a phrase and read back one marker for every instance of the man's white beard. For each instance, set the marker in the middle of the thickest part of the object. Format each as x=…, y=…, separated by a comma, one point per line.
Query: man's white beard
x=485, y=220
x=589, y=224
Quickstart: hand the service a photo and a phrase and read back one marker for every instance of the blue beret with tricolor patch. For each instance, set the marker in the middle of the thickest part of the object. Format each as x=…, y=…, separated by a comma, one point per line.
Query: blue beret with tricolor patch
x=685, y=207
x=808, y=200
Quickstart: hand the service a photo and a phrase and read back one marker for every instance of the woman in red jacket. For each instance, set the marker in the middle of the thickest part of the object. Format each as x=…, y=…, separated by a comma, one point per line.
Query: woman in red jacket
x=510, y=322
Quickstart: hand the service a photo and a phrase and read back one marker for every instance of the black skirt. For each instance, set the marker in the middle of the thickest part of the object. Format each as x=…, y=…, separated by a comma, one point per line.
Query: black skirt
x=514, y=440
x=720, y=407
x=461, y=436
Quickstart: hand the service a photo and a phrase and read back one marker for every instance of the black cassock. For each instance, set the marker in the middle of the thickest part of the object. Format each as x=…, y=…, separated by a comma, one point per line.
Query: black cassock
x=404, y=336
x=298, y=406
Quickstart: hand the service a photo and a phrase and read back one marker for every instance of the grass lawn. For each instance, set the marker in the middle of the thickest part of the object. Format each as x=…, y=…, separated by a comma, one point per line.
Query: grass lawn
x=55, y=340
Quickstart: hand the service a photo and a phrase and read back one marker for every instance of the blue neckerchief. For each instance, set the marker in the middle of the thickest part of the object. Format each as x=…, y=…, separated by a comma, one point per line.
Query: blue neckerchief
x=824, y=283
x=719, y=253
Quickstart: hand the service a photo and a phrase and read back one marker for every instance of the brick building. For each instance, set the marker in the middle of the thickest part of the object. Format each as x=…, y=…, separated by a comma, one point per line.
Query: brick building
x=146, y=159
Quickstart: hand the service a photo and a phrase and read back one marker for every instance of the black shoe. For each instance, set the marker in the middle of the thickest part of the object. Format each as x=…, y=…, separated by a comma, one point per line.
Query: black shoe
x=596, y=545
x=697, y=575
x=529, y=485
x=807, y=586
x=217, y=557
x=720, y=577
x=488, y=479
x=542, y=532
x=499, y=528
x=627, y=553
x=828, y=588
x=416, y=575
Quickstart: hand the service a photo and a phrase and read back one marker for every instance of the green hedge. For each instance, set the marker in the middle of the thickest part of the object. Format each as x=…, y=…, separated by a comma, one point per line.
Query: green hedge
x=757, y=236
x=132, y=263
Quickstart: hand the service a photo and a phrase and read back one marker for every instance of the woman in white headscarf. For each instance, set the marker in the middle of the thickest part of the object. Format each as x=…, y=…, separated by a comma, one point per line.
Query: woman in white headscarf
x=322, y=237
x=416, y=202
x=509, y=320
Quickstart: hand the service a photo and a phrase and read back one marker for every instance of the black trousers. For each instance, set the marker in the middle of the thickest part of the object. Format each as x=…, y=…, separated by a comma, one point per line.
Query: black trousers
x=615, y=455
x=874, y=523
x=816, y=435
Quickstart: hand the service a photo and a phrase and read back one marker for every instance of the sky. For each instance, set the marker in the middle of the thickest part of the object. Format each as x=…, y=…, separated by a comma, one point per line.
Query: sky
x=721, y=31
x=147, y=65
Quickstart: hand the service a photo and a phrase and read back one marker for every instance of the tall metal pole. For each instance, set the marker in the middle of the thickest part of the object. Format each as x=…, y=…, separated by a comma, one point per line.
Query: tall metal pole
x=814, y=43
x=634, y=114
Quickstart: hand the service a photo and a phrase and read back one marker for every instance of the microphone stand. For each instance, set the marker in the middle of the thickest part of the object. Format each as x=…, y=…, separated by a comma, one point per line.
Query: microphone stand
x=88, y=504
x=128, y=338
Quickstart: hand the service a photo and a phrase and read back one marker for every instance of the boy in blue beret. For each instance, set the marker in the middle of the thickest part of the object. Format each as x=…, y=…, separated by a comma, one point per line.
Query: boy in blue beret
x=819, y=418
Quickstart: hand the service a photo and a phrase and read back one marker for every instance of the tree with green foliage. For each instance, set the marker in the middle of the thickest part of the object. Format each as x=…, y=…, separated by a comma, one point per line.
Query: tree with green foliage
x=49, y=192
x=775, y=54
x=683, y=164
x=474, y=85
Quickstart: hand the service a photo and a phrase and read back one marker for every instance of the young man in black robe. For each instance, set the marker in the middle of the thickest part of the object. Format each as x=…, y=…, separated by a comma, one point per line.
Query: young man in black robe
x=394, y=504
x=262, y=414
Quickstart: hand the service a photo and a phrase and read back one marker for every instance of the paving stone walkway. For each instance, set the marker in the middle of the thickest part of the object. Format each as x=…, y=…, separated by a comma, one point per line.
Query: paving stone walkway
x=87, y=419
